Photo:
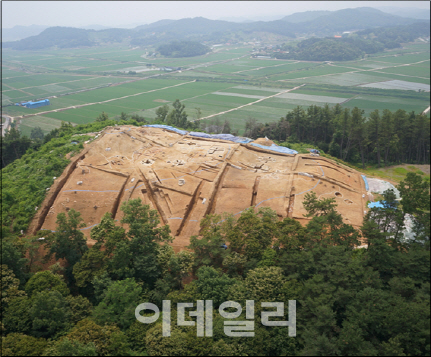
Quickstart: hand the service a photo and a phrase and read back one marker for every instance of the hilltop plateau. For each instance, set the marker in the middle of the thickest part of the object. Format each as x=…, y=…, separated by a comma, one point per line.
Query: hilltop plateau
x=185, y=177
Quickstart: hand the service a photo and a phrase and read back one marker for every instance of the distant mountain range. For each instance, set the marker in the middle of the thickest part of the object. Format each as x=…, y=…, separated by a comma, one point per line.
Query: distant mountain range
x=316, y=23
x=411, y=12
x=19, y=32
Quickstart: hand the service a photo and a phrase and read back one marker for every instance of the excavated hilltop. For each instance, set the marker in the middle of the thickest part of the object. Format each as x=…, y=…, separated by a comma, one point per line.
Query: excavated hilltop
x=185, y=177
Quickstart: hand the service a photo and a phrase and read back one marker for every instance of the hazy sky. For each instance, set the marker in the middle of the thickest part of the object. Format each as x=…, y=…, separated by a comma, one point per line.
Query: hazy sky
x=123, y=13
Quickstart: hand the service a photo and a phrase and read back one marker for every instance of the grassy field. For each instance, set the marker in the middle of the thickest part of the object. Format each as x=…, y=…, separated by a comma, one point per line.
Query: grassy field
x=396, y=173
x=226, y=79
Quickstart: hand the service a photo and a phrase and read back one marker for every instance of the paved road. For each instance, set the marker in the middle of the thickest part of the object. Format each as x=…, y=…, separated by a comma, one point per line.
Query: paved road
x=5, y=125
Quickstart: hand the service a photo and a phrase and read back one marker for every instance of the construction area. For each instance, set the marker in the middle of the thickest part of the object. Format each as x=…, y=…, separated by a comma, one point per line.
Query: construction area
x=185, y=177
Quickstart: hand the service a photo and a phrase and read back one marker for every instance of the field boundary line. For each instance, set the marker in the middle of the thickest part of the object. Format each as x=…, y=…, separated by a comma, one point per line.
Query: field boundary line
x=357, y=70
x=105, y=101
x=245, y=105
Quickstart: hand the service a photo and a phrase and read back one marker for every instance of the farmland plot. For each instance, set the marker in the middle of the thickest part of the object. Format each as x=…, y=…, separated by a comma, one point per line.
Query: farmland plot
x=397, y=84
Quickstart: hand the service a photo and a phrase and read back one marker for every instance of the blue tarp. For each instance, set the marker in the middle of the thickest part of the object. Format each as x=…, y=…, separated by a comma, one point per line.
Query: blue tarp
x=366, y=182
x=200, y=135
x=167, y=127
x=276, y=148
x=378, y=204
x=227, y=137
x=381, y=204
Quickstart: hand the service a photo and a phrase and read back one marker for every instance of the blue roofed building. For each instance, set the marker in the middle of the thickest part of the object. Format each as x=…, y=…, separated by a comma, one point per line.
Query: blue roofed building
x=34, y=105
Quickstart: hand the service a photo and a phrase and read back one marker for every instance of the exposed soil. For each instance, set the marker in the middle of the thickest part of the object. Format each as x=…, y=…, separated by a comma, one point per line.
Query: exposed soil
x=185, y=178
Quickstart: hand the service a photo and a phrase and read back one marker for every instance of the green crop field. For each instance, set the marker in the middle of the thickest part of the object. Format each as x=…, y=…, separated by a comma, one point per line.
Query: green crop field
x=414, y=70
x=45, y=123
x=227, y=78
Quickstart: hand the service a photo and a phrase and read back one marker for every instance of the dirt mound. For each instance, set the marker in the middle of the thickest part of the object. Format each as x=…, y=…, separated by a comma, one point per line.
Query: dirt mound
x=263, y=141
x=185, y=178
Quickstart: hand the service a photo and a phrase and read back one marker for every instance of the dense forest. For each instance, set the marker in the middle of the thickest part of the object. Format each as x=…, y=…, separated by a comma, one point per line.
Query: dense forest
x=355, y=46
x=183, y=49
x=368, y=301
x=383, y=138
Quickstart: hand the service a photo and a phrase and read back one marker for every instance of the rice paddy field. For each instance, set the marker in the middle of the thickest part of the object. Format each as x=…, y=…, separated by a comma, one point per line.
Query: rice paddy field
x=81, y=83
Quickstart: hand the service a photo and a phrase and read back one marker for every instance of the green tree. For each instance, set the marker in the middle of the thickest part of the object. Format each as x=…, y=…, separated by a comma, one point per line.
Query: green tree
x=9, y=287
x=100, y=284
x=94, y=260
x=198, y=113
x=69, y=242
x=266, y=284
x=161, y=113
x=80, y=308
x=208, y=249
x=12, y=257
x=375, y=133
x=17, y=344
x=13, y=146
x=253, y=233
x=136, y=335
x=137, y=257
x=65, y=347
x=138, y=118
x=108, y=339
x=327, y=227
x=178, y=116
x=290, y=235
x=92, y=264
x=213, y=285
x=182, y=342
x=49, y=313
x=415, y=196
x=119, y=303
x=16, y=318
x=102, y=117
x=123, y=116
x=46, y=281
x=36, y=133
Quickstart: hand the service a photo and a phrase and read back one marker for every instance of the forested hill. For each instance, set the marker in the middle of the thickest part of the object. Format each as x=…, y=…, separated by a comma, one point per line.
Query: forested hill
x=352, y=19
x=371, y=301
x=202, y=29
x=62, y=37
x=354, y=46
x=305, y=16
x=183, y=49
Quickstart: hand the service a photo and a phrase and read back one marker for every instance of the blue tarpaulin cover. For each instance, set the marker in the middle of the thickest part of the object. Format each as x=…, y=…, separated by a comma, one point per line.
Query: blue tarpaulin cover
x=227, y=137
x=276, y=148
x=366, y=182
x=378, y=204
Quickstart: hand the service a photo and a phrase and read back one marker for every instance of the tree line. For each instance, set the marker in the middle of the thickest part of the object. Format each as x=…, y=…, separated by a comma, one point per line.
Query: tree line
x=382, y=138
x=183, y=49
x=349, y=301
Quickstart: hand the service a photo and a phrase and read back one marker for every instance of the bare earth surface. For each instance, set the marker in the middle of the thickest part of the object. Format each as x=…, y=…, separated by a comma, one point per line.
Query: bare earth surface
x=184, y=178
